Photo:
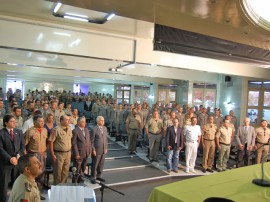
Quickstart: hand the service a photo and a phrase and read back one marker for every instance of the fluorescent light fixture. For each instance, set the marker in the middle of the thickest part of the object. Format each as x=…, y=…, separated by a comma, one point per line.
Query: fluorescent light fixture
x=57, y=7
x=110, y=16
x=62, y=34
x=13, y=64
x=75, y=18
x=77, y=15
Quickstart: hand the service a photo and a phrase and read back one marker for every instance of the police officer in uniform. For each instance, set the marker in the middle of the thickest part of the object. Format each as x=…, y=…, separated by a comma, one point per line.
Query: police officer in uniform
x=36, y=143
x=25, y=188
x=59, y=112
x=223, y=141
x=133, y=125
x=208, y=142
x=202, y=118
x=60, y=148
x=153, y=129
x=17, y=112
x=262, y=141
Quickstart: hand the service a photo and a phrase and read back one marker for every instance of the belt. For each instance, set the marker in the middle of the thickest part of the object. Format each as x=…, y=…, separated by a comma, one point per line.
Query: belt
x=209, y=140
x=133, y=129
x=31, y=152
x=225, y=144
x=61, y=151
x=191, y=141
x=154, y=133
x=261, y=143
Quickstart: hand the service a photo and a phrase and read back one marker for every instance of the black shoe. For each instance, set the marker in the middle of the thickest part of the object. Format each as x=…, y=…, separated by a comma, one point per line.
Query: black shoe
x=93, y=181
x=133, y=152
x=204, y=170
x=176, y=171
x=101, y=179
x=42, y=198
x=209, y=170
x=156, y=160
x=151, y=161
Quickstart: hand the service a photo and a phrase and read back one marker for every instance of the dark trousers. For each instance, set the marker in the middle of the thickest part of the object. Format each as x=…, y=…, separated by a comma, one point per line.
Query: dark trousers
x=40, y=179
x=97, y=165
x=80, y=164
x=8, y=173
x=243, y=157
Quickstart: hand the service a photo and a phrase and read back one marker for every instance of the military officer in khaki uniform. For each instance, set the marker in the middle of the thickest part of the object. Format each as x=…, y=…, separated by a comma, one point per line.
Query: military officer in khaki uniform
x=133, y=126
x=60, y=148
x=262, y=138
x=217, y=118
x=202, y=118
x=36, y=143
x=223, y=141
x=25, y=187
x=153, y=129
x=52, y=110
x=59, y=112
x=17, y=112
x=208, y=142
x=74, y=116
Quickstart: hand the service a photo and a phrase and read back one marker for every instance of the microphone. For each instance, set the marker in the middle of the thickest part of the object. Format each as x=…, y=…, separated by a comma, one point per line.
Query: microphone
x=74, y=175
x=262, y=181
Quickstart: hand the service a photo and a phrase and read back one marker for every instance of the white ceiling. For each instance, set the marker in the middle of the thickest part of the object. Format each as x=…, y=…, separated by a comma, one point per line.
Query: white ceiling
x=134, y=20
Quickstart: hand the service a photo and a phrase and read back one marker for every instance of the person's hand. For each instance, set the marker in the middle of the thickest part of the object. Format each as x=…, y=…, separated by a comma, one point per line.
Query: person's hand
x=249, y=148
x=54, y=158
x=106, y=150
x=13, y=161
x=219, y=147
x=77, y=157
x=94, y=153
x=241, y=147
x=180, y=148
x=255, y=147
x=203, y=145
x=169, y=147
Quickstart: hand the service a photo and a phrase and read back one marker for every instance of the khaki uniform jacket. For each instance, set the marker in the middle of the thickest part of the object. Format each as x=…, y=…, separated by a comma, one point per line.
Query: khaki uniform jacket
x=35, y=141
x=154, y=127
x=262, y=136
x=224, y=135
x=24, y=189
x=61, y=139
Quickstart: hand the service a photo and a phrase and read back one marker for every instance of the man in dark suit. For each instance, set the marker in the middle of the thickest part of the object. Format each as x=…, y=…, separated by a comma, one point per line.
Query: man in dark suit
x=11, y=148
x=174, y=145
x=99, y=149
x=81, y=147
x=246, y=141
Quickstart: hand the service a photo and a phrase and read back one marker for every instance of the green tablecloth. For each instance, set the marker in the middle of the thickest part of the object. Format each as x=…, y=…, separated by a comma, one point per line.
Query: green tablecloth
x=233, y=184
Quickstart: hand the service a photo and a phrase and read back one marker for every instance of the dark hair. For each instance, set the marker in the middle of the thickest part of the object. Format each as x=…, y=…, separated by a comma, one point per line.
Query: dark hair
x=15, y=108
x=6, y=119
x=37, y=112
x=62, y=117
x=24, y=161
x=263, y=120
x=35, y=118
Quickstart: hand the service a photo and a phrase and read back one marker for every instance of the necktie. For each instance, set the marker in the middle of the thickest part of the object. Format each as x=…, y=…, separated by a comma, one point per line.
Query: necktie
x=175, y=129
x=11, y=134
x=83, y=132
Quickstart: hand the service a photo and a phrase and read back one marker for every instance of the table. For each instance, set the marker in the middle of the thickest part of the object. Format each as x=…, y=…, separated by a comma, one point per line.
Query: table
x=71, y=193
x=233, y=184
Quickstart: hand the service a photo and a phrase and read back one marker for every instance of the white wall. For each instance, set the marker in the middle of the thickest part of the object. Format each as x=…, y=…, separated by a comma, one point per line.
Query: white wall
x=235, y=95
x=102, y=88
x=48, y=86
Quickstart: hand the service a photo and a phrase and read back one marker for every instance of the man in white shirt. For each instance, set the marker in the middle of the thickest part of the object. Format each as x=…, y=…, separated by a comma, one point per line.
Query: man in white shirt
x=192, y=136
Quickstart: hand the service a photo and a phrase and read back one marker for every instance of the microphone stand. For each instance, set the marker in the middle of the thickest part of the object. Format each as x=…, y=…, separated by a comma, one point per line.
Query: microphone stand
x=103, y=186
x=262, y=181
x=252, y=152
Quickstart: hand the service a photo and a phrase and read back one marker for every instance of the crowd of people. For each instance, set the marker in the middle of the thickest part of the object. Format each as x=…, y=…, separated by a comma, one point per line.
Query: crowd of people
x=48, y=121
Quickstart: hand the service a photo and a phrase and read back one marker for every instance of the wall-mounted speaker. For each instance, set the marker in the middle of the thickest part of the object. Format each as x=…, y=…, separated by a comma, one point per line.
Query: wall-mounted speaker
x=228, y=79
